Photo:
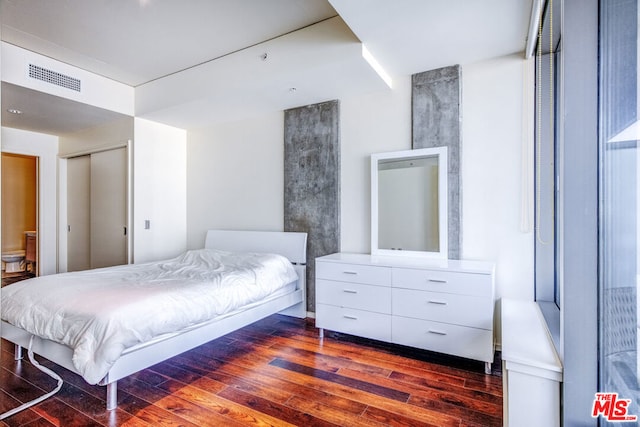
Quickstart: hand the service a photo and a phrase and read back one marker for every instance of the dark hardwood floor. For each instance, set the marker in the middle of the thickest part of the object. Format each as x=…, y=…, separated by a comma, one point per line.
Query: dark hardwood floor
x=9, y=278
x=274, y=372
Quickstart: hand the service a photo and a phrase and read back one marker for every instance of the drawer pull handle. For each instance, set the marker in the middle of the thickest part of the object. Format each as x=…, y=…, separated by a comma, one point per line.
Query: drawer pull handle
x=437, y=281
x=350, y=291
x=432, y=331
x=350, y=272
x=350, y=317
x=437, y=302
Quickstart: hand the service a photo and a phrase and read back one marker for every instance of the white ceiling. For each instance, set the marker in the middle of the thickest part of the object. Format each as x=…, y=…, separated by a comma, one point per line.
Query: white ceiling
x=145, y=43
x=411, y=36
x=48, y=113
x=135, y=41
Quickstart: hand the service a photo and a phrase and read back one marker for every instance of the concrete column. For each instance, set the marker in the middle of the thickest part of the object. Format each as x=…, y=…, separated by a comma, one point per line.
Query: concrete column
x=312, y=181
x=436, y=121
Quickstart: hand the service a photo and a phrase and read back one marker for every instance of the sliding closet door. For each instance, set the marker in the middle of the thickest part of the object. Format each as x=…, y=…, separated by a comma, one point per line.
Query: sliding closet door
x=78, y=213
x=97, y=210
x=109, y=208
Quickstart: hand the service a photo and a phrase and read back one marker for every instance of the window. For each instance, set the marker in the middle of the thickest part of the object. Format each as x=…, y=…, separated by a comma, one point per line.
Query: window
x=547, y=125
x=619, y=215
x=570, y=287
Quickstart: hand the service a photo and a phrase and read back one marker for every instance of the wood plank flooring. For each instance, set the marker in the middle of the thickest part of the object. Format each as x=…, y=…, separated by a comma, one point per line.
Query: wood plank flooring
x=275, y=372
x=9, y=278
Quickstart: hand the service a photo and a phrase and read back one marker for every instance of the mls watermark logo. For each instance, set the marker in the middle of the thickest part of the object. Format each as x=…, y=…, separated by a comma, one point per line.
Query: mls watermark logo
x=612, y=408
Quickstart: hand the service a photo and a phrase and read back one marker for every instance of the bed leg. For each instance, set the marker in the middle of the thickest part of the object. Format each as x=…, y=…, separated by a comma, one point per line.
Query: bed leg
x=17, y=352
x=321, y=333
x=112, y=395
x=487, y=368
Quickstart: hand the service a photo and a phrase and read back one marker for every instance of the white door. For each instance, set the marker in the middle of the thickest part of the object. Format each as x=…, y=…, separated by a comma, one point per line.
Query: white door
x=97, y=210
x=109, y=208
x=78, y=213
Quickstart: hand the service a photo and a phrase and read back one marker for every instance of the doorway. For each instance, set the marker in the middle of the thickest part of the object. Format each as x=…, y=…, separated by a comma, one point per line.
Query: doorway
x=19, y=217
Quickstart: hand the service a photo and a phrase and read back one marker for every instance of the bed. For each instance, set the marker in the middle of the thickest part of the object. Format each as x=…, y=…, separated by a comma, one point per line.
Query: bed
x=153, y=347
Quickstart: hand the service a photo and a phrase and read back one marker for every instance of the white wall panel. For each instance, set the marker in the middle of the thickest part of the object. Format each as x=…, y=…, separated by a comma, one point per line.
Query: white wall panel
x=492, y=171
x=236, y=177
x=375, y=123
x=110, y=135
x=159, y=191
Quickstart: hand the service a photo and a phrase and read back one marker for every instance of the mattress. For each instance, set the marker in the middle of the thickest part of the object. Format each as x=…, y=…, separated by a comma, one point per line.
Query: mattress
x=101, y=313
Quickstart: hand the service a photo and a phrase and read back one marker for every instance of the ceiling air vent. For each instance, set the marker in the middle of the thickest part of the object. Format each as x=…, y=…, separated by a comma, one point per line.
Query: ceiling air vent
x=53, y=77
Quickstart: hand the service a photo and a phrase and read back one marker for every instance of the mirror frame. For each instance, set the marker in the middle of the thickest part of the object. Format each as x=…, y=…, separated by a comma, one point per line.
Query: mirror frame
x=441, y=154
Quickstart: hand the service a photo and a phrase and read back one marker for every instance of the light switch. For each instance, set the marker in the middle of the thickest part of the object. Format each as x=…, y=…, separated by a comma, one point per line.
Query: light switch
x=147, y=224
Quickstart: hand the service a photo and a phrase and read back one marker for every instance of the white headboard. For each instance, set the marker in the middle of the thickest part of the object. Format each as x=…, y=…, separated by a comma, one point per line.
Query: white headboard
x=292, y=245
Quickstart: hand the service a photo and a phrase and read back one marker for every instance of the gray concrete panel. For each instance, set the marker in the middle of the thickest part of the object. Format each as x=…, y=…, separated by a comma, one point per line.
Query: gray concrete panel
x=436, y=122
x=312, y=181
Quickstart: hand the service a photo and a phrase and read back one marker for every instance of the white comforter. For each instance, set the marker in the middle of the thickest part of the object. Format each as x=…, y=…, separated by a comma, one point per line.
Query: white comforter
x=100, y=313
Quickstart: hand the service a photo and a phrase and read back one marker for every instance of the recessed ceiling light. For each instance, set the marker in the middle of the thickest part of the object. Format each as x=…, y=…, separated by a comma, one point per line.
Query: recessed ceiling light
x=292, y=89
x=14, y=111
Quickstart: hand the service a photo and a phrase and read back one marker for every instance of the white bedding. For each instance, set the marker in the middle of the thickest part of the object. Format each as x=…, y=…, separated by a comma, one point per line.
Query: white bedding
x=100, y=313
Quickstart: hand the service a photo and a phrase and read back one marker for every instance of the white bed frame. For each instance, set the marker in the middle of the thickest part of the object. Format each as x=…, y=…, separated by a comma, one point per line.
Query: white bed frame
x=289, y=244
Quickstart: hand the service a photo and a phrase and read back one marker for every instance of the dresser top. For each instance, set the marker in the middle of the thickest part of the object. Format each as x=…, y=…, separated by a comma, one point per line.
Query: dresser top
x=467, y=266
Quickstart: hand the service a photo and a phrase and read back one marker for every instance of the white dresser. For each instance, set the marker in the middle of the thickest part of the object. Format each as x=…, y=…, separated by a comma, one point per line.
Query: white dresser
x=438, y=305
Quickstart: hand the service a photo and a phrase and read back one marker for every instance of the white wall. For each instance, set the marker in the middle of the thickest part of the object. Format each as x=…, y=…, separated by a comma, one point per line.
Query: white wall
x=374, y=123
x=492, y=173
x=236, y=177
x=97, y=138
x=46, y=148
x=159, y=191
x=235, y=170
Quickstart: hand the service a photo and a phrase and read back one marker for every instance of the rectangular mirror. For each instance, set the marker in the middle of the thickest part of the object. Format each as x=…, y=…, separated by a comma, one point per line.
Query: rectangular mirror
x=409, y=203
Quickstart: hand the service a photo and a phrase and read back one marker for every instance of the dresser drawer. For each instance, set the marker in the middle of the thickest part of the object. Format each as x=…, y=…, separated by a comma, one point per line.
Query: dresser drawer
x=444, y=338
x=354, y=295
x=443, y=281
x=354, y=273
x=354, y=322
x=465, y=310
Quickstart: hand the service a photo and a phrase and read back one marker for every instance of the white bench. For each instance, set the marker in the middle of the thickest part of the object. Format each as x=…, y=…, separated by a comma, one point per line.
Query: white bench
x=531, y=368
